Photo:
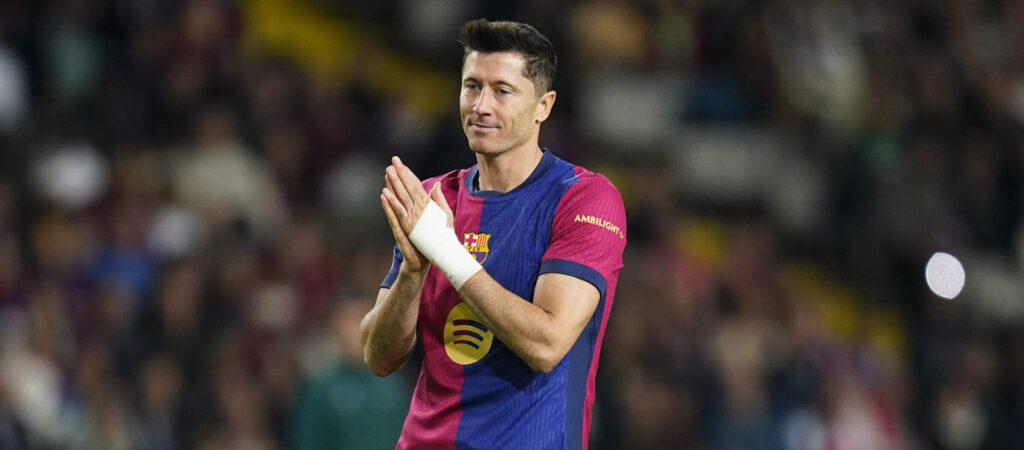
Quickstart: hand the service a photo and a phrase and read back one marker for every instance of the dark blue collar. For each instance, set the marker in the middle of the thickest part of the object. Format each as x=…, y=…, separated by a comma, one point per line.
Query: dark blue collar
x=545, y=163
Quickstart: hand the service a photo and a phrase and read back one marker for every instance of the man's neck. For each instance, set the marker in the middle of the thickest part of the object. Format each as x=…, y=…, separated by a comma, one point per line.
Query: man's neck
x=505, y=172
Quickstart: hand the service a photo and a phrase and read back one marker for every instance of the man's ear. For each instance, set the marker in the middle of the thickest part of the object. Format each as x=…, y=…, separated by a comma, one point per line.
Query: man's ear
x=544, y=105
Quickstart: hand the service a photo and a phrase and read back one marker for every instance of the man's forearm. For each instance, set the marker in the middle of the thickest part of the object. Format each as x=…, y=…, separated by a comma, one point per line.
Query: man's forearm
x=527, y=329
x=540, y=332
x=389, y=331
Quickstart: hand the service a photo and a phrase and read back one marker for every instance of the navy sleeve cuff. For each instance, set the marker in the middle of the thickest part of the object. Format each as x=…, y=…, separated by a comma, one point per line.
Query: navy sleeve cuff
x=389, y=280
x=574, y=269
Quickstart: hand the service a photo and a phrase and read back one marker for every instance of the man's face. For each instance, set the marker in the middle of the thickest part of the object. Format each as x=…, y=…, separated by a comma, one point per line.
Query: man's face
x=498, y=104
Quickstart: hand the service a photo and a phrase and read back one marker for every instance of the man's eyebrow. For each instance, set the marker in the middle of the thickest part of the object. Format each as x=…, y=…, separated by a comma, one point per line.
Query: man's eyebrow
x=507, y=84
x=496, y=83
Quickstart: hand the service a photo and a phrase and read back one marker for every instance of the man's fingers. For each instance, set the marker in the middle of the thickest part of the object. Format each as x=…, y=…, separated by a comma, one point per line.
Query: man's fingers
x=411, y=183
x=408, y=250
x=438, y=197
x=392, y=219
x=396, y=206
x=397, y=187
x=390, y=182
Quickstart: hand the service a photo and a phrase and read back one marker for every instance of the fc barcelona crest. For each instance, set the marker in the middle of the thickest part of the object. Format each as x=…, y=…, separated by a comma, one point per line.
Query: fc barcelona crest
x=476, y=244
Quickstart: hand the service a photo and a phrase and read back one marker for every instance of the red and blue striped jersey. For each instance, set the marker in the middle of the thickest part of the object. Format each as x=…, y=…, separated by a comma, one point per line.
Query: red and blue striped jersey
x=472, y=391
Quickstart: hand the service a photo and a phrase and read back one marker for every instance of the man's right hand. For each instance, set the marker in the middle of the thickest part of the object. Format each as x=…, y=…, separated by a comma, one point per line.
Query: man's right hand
x=412, y=260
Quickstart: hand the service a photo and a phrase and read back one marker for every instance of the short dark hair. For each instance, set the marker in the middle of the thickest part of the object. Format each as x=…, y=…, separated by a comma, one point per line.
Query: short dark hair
x=541, y=61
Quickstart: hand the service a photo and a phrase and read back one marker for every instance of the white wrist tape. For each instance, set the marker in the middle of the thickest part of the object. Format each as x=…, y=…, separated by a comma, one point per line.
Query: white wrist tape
x=438, y=243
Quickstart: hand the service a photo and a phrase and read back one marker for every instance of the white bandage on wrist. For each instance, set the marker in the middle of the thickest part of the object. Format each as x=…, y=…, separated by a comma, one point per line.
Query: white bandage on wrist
x=438, y=243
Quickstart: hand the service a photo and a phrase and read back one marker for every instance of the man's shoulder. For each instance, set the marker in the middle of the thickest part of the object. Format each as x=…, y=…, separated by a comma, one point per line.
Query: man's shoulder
x=449, y=181
x=585, y=182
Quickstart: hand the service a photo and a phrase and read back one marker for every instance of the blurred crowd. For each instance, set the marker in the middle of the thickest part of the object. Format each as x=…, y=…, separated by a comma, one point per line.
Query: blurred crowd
x=190, y=227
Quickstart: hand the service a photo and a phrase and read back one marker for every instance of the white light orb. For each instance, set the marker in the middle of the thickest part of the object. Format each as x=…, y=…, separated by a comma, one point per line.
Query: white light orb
x=945, y=275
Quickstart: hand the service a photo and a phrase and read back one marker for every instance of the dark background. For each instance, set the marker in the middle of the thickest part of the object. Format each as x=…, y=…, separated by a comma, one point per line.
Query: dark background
x=190, y=227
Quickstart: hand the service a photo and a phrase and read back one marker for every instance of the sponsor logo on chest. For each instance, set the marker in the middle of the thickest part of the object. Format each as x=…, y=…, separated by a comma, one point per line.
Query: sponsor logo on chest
x=466, y=339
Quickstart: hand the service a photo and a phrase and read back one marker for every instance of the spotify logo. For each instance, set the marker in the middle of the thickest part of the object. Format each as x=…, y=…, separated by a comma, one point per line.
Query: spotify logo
x=466, y=340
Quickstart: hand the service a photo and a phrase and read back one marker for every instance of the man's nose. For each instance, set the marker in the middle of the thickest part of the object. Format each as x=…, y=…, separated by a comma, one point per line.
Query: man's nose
x=484, y=103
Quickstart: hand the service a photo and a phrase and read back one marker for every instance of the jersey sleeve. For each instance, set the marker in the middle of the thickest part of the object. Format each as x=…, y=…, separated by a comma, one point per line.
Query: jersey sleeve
x=588, y=234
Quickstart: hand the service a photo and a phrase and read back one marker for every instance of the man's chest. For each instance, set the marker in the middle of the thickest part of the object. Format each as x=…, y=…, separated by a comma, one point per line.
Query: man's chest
x=509, y=236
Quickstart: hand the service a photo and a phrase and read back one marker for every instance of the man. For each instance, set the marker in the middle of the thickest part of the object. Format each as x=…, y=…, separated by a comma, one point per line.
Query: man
x=506, y=271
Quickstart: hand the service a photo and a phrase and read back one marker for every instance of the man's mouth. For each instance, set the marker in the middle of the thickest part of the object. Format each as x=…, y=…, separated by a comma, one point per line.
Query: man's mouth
x=482, y=126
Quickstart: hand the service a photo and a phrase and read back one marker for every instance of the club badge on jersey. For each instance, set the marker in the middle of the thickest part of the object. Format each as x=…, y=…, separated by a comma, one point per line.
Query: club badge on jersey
x=476, y=244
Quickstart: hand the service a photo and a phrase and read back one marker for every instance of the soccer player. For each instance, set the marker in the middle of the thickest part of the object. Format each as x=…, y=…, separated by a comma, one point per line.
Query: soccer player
x=505, y=271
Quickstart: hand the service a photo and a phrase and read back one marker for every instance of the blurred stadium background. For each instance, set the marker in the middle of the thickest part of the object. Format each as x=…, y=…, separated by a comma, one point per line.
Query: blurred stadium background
x=190, y=229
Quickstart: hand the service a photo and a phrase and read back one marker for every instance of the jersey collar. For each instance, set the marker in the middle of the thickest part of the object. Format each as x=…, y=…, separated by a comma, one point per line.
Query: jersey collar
x=546, y=161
